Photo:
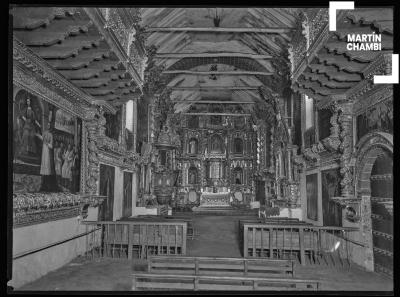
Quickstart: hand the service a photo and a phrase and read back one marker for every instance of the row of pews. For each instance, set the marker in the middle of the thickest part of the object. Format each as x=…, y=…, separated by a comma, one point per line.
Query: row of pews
x=209, y=273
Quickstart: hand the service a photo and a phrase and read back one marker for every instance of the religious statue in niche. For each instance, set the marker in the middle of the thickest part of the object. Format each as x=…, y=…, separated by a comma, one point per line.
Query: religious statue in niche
x=238, y=176
x=238, y=145
x=193, y=146
x=216, y=144
x=192, y=175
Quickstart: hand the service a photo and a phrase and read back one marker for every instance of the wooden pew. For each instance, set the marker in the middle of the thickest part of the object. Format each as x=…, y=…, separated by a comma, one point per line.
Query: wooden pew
x=221, y=266
x=161, y=282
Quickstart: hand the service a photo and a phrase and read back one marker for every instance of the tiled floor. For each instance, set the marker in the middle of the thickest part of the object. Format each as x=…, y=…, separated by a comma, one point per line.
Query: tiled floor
x=216, y=236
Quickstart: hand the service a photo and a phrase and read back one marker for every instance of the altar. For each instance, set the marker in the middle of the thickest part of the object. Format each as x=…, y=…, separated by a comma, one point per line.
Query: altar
x=221, y=199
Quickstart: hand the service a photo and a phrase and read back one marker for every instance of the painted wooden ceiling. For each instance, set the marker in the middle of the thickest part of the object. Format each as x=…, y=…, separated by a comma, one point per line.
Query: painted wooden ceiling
x=234, y=76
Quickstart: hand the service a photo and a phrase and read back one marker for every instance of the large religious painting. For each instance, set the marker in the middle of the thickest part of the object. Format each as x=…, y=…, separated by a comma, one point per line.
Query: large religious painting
x=127, y=198
x=312, y=196
x=107, y=174
x=331, y=211
x=47, y=146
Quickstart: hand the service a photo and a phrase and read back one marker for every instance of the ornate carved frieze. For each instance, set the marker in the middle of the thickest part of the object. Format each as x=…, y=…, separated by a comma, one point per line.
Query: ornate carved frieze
x=119, y=34
x=312, y=32
x=35, y=208
x=47, y=84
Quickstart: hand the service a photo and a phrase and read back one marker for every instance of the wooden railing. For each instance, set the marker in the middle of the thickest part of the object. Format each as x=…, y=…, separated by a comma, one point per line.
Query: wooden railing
x=285, y=240
x=135, y=239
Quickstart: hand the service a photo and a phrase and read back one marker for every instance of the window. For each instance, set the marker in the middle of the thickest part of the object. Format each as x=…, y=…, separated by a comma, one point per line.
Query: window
x=129, y=125
x=309, y=112
x=324, y=123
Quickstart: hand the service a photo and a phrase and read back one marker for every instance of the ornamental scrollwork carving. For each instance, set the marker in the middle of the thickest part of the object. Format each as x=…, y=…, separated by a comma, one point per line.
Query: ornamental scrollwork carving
x=93, y=159
x=346, y=170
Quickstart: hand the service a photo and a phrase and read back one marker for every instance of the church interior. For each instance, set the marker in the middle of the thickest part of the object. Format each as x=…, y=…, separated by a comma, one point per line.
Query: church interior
x=199, y=149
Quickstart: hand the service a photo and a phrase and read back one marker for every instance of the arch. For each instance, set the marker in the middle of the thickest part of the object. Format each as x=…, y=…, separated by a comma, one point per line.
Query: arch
x=368, y=150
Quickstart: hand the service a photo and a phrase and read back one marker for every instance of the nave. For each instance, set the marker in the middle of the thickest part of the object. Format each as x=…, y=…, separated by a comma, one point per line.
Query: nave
x=235, y=148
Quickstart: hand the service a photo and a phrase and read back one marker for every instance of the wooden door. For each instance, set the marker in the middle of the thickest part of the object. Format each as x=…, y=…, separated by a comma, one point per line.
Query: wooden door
x=107, y=175
x=127, y=195
x=382, y=213
x=331, y=211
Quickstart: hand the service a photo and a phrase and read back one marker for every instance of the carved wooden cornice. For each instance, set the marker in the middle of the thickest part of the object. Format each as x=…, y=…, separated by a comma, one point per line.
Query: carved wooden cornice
x=377, y=94
x=115, y=34
x=64, y=88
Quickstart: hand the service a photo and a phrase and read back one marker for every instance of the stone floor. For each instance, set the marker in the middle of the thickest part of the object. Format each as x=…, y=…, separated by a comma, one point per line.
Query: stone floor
x=215, y=236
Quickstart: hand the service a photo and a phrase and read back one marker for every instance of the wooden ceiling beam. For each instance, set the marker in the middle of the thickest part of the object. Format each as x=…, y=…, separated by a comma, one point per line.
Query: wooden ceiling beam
x=211, y=55
x=220, y=30
x=216, y=113
x=238, y=72
x=213, y=88
x=213, y=102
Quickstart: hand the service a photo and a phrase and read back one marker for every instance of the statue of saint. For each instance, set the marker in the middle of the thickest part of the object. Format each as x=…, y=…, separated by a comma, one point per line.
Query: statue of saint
x=193, y=146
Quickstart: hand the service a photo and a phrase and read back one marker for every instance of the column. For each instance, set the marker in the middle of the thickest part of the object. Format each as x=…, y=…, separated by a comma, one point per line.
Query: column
x=118, y=193
x=134, y=190
x=134, y=116
x=346, y=128
x=93, y=170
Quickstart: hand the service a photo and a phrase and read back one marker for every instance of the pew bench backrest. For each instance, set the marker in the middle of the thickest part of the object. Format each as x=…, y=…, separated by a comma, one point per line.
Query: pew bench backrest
x=227, y=283
x=221, y=266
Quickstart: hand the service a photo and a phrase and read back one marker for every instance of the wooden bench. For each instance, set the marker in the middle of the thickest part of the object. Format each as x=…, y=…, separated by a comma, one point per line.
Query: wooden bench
x=228, y=283
x=221, y=266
